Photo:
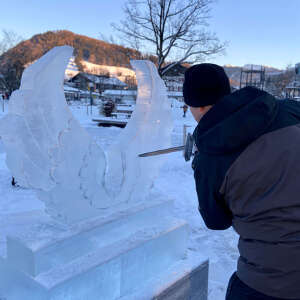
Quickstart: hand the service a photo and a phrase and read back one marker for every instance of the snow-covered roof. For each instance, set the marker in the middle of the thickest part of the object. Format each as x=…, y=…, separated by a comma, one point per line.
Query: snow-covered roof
x=70, y=89
x=103, y=79
x=174, y=78
x=120, y=92
x=88, y=93
x=175, y=94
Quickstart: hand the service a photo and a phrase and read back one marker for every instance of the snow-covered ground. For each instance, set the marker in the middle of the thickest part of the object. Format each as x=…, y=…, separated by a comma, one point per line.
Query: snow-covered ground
x=176, y=180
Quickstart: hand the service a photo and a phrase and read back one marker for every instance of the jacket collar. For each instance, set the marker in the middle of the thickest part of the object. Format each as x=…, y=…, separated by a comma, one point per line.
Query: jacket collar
x=235, y=121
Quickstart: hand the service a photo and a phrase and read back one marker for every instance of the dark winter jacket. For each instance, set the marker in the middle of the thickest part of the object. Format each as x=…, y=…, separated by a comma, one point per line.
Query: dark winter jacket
x=247, y=174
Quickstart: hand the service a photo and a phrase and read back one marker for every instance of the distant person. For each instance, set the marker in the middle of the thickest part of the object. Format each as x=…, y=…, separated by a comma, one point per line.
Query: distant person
x=13, y=182
x=247, y=172
x=185, y=108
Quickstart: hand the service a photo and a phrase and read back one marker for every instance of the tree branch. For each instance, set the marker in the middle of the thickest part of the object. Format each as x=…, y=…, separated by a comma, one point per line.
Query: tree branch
x=170, y=27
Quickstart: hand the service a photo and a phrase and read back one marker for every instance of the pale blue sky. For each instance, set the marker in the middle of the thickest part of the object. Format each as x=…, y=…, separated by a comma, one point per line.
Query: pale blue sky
x=258, y=31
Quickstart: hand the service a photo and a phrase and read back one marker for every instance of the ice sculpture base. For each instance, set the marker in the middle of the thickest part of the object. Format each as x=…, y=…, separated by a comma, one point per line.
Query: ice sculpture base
x=187, y=279
x=104, y=258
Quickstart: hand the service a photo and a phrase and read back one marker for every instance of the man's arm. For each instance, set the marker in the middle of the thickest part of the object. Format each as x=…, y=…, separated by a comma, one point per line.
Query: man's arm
x=209, y=173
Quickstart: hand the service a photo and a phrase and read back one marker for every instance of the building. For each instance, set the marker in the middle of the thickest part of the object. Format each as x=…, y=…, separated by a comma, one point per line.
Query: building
x=174, y=78
x=74, y=94
x=98, y=83
x=71, y=94
x=293, y=88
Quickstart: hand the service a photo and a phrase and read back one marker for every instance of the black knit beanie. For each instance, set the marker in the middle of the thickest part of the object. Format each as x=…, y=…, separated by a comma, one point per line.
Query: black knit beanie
x=205, y=84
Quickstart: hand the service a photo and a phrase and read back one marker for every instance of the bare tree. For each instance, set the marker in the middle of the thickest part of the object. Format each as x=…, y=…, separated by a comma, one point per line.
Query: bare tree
x=173, y=30
x=9, y=39
x=276, y=84
x=10, y=73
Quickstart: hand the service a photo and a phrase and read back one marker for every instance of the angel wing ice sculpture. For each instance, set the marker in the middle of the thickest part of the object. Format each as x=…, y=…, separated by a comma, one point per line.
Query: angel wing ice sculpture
x=49, y=151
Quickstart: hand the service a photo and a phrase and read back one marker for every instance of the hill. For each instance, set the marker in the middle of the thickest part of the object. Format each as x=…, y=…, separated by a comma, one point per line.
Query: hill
x=86, y=49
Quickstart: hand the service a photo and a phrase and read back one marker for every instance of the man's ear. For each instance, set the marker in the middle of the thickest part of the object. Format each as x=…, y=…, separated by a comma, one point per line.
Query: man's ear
x=205, y=109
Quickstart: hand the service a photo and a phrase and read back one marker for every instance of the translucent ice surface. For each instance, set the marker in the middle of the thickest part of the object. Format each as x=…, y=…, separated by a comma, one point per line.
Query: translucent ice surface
x=49, y=151
x=149, y=129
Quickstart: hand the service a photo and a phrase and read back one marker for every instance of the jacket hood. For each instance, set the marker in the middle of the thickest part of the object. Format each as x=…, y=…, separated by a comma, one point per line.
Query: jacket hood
x=235, y=121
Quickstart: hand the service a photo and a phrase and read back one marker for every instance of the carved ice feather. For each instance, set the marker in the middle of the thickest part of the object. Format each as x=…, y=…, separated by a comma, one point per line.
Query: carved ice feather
x=49, y=151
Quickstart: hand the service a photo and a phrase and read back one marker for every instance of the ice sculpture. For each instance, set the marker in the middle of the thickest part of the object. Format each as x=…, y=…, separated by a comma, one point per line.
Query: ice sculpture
x=117, y=244
x=49, y=151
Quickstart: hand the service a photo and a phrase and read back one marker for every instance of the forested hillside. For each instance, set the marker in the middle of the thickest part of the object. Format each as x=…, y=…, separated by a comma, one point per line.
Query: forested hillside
x=86, y=48
x=13, y=61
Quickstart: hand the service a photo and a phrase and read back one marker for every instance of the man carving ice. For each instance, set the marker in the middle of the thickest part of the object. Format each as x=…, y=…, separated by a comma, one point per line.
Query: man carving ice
x=247, y=174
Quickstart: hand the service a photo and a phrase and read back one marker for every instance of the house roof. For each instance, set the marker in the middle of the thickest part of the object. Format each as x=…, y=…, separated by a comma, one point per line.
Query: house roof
x=101, y=79
x=177, y=70
x=74, y=90
x=70, y=89
x=120, y=92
